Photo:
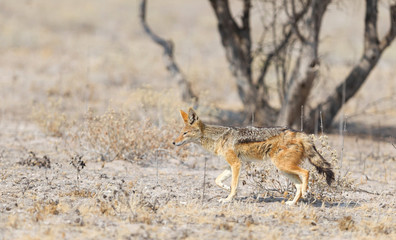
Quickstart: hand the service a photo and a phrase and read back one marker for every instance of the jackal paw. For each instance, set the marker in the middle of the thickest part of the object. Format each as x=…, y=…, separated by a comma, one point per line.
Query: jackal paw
x=290, y=203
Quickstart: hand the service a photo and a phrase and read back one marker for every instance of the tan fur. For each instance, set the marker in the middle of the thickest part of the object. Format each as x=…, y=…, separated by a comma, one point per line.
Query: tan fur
x=285, y=147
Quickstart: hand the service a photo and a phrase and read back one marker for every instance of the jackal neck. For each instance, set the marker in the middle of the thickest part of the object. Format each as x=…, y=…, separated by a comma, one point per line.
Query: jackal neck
x=211, y=135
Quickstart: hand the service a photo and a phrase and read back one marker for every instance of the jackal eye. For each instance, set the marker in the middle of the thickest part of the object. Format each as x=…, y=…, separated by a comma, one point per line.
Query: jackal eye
x=185, y=133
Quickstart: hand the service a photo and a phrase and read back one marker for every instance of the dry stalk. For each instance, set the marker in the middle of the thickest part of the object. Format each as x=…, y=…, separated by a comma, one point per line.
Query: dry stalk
x=204, y=182
x=156, y=161
x=302, y=118
x=78, y=164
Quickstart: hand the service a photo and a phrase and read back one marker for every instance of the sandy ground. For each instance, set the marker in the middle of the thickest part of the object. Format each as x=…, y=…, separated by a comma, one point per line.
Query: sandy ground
x=61, y=60
x=123, y=200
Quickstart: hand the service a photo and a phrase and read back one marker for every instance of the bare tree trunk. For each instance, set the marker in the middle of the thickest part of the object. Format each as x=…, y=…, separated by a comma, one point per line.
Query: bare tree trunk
x=237, y=44
x=170, y=63
x=373, y=48
x=299, y=32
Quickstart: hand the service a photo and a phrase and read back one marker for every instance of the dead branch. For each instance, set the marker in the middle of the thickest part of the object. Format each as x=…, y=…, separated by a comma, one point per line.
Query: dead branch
x=293, y=21
x=170, y=63
x=387, y=40
x=271, y=55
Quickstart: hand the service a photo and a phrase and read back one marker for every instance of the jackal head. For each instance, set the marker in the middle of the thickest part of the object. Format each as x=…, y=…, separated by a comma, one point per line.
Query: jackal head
x=192, y=130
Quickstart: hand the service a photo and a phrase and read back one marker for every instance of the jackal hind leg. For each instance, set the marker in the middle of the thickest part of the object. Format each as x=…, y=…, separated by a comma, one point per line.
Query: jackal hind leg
x=297, y=182
x=288, y=161
x=303, y=174
x=222, y=177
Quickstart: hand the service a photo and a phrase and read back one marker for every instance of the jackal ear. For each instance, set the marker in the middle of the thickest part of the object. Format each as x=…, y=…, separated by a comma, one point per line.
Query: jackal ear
x=184, y=115
x=192, y=116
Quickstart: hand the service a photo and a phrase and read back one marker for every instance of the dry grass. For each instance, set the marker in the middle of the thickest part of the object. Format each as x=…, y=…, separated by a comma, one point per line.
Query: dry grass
x=114, y=135
x=87, y=83
x=144, y=209
x=50, y=117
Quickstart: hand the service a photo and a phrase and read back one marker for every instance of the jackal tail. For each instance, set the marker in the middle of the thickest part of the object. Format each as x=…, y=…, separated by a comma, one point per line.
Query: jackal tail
x=320, y=163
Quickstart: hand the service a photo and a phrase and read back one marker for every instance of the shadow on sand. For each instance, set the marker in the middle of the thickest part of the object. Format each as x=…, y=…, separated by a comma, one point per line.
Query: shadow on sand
x=311, y=202
x=378, y=133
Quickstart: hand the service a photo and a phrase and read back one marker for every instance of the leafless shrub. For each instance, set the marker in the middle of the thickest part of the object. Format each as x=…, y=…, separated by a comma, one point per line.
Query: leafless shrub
x=81, y=193
x=50, y=118
x=78, y=164
x=123, y=200
x=32, y=160
x=43, y=208
x=346, y=223
x=383, y=226
x=117, y=135
x=114, y=135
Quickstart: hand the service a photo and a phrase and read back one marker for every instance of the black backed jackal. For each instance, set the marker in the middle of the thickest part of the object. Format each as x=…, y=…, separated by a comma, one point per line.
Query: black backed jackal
x=285, y=147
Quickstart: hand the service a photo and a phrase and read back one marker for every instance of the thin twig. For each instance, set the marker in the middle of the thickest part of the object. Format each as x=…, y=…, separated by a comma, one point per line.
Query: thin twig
x=204, y=182
x=302, y=118
x=294, y=20
x=321, y=121
x=316, y=123
x=342, y=143
x=342, y=127
x=156, y=160
x=171, y=65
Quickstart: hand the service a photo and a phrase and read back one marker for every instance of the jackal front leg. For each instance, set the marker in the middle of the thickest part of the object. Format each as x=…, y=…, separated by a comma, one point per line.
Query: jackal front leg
x=235, y=164
x=223, y=176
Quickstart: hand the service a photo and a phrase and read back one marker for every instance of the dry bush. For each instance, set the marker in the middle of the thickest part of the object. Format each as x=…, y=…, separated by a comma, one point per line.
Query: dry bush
x=80, y=193
x=142, y=130
x=50, y=118
x=32, y=160
x=13, y=221
x=346, y=224
x=265, y=178
x=123, y=201
x=115, y=135
x=383, y=226
x=343, y=182
x=42, y=209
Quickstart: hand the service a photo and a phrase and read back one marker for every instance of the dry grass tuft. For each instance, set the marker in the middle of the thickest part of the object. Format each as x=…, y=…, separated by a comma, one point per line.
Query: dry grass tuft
x=50, y=118
x=42, y=209
x=32, y=160
x=346, y=224
x=80, y=193
x=13, y=221
x=115, y=135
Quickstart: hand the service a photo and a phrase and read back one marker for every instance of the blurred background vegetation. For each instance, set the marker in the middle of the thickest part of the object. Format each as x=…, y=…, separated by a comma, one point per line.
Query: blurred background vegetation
x=94, y=55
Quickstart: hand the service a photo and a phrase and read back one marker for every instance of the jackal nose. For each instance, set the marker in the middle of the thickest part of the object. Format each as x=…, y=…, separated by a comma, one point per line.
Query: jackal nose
x=174, y=143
